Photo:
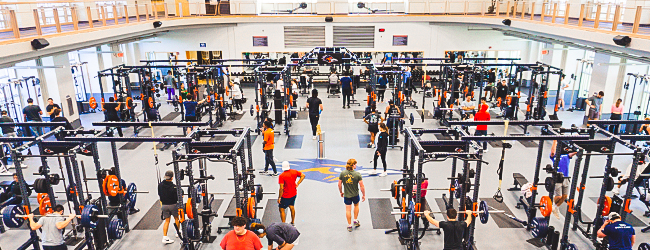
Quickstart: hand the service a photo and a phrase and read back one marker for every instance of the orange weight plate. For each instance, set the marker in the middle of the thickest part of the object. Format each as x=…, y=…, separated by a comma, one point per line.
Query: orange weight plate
x=188, y=208
x=546, y=206
x=92, y=103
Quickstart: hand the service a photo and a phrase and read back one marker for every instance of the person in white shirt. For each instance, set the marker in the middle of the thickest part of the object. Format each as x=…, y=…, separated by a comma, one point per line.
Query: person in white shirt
x=333, y=82
x=560, y=97
x=356, y=76
x=237, y=95
x=643, y=164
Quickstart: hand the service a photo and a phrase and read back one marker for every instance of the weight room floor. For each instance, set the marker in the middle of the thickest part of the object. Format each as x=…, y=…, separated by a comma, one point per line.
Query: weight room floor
x=320, y=210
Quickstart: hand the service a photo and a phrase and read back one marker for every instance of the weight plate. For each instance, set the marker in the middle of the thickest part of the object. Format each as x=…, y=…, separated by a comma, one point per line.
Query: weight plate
x=393, y=189
x=484, y=215
x=189, y=209
x=190, y=229
x=71, y=192
x=10, y=216
x=609, y=183
x=644, y=246
x=115, y=229
x=411, y=211
x=571, y=247
x=40, y=186
x=251, y=207
x=132, y=195
x=403, y=228
x=457, y=189
x=259, y=193
x=252, y=109
x=199, y=193
x=549, y=184
x=539, y=227
x=44, y=204
x=111, y=186
x=55, y=179
x=412, y=119
x=87, y=215
x=546, y=206
x=606, y=206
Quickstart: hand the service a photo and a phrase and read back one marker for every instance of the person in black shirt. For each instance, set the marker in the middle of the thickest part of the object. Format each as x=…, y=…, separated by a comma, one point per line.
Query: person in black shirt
x=396, y=113
x=315, y=106
x=453, y=229
x=502, y=90
x=168, y=200
x=7, y=131
x=51, y=106
x=373, y=120
x=13, y=191
x=382, y=148
x=59, y=118
x=111, y=113
x=33, y=113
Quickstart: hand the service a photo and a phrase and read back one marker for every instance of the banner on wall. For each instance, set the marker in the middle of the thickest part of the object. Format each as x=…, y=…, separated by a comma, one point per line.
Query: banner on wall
x=330, y=58
x=400, y=40
x=260, y=41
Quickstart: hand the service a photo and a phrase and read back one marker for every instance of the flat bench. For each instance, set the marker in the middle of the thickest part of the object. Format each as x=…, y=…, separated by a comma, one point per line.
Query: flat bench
x=520, y=180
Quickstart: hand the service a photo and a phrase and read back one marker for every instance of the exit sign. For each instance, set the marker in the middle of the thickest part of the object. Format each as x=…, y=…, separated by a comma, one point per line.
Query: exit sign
x=544, y=52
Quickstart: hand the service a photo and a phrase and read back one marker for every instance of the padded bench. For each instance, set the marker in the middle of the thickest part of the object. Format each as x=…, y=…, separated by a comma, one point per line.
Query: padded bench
x=519, y=181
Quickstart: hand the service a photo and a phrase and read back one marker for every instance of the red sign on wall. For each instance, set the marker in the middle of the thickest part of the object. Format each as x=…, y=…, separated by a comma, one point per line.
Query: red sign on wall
x=544, y=52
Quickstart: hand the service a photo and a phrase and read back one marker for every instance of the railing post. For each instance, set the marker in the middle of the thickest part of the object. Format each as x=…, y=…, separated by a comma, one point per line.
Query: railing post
x=566, y=13
x=115, y=17
x=543, y=11
x=180, y=10
x=14, y=23
x=104, y=16
x=65, y=15
x=637, y=19
x=514, y=10
x=57, y=22
x=465, y=7
x=75, y=18
x=43, y=16
x=146, y=17
x=90, y=17
x=497, y=8
x=137, y=13
x=508, y=9
x=126, y=14
x=582, y=14
x=617, y=14
x=554, y=12
x=37, y=23
x=523, y=10
x=609, y=10
x=597, y=20
x=532, y=11
x=166, y=10
x=155, y=11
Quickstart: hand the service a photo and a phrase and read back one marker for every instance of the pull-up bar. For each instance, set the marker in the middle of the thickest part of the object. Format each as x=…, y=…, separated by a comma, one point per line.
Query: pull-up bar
x=130, y=139
x=503, y=122
x=527, y=137
x=150, y=124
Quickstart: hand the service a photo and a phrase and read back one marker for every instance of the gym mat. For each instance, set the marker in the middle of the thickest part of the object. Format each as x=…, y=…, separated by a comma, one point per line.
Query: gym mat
x=303, y=115
x=218, y=138
x=359, y=114
x=151, y=220
x=130, y=145
x=536, y=242
x=171, y=116
x=364, y=140
x=631, y=218
x=380, y=209
x=496, y=144
x=563, y=211
x=501, y=219
x=427, y=114
x=529, y=144
x=230, y=210
x=493, y=114
x=294, y=142
x=253, y=137
x=442, y=137
x=72, y=241
x=236, y=117
x=215, y=207
x=441, y=205
x=272, y=212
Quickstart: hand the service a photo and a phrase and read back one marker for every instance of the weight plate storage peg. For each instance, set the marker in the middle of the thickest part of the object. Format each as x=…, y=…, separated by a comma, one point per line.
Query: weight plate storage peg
x=539, y=227
x=484, y=213
x=11, y=218
x=644, y=246
x=88, y=216
x=115, y=229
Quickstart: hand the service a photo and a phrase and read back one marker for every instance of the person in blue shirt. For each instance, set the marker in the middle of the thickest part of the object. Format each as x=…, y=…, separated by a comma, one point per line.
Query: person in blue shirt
x=346, y=88
x=190, y=108
x=561, y=192
x=382, y=82
x=620, y=234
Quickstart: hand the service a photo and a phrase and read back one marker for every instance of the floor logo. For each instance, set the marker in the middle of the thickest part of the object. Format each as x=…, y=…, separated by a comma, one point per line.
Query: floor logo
x=326, y=170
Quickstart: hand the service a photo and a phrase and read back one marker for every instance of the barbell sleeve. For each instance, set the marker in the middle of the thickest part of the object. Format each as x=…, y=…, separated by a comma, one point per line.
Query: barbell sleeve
x=96, y=192
x=65, y=215
x=478, y=211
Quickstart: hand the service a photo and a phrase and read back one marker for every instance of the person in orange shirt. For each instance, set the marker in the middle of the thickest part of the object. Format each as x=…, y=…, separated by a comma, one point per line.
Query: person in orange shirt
x=269, y=142
x=240, y=238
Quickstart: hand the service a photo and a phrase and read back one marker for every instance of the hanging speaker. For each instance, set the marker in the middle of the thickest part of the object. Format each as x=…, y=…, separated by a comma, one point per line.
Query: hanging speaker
x=329, y=19
x=622, y=40
x=157, y=24
x=506, y=22
x=40, y=43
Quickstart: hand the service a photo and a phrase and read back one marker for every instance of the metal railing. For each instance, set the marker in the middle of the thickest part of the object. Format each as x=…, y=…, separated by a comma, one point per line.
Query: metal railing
x=29, y=19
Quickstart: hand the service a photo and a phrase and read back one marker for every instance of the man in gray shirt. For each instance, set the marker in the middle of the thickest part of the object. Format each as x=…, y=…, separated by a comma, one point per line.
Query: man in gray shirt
x=283, y=234
x=52, y=225
x=467, y=108
x=170, y=83
x=595, y=104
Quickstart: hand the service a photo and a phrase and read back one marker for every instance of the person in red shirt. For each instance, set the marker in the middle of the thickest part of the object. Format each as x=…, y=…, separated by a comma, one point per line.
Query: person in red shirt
x=288, y=191
x=240, y=238
x=482, y=115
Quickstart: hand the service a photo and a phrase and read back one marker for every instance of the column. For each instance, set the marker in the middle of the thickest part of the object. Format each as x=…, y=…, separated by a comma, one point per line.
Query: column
x=66, y=90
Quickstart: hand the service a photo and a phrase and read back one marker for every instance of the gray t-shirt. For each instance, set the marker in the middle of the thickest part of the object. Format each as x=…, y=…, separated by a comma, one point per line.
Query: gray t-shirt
x=596, y=102
x=169, y=81
x=51, y=236
x=466, y=104
x=281, y=233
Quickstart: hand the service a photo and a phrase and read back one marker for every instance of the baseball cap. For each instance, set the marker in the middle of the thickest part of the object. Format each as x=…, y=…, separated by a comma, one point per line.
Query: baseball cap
x=285, y=166
x=169, y=174
x=614, y=216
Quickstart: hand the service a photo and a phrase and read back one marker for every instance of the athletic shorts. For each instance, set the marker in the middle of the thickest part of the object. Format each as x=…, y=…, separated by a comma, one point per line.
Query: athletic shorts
x=286, y=202
x=168, y=211
x=562, y=188
x=593, y=114
x=349, y=201
x=373, y=128
x=190, y=118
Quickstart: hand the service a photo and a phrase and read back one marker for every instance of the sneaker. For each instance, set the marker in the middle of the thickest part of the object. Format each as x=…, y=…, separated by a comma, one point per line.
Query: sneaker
x=349, y=228
x=356, y=224
x=556, y=212
x=314, y=137
x=264, y=172
x=348, y=106
x=167, y=240
x=373, y=145
x=293, y=225
x=383, y=174
x=615, y=191
x=343, y=107
x=374, y=172
x=275, y=159
x=369, y=145
x=177, y=236
x=274, y=174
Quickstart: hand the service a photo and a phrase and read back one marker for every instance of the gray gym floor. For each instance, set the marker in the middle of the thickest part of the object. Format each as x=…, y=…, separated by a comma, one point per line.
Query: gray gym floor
x=320, y=210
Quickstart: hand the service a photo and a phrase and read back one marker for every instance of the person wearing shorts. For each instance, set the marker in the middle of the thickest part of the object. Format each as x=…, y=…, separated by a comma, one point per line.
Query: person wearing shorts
x=288, y=190
x=284, y=235
x=373, y=120
x=352, y=181
x=168, y=200
x=561, y=192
